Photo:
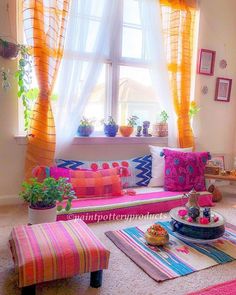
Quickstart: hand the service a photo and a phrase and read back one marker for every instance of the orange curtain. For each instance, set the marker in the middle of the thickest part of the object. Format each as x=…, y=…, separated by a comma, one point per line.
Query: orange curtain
x=178, y=19
x=44, y=25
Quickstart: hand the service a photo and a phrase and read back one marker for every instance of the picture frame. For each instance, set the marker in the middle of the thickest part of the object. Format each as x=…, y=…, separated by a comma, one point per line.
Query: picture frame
x=223, y=89
x=206, y=62
x=217, y=161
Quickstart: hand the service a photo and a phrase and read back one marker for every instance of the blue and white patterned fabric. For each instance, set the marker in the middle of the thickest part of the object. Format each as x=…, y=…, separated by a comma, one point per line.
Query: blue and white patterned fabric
x=140, y=168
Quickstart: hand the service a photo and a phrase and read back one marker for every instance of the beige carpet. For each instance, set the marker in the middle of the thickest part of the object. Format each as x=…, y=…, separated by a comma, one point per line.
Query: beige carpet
x=123, y=276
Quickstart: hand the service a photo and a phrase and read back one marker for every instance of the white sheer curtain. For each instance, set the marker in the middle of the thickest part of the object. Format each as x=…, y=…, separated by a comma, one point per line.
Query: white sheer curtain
x=89, y=30
x=153, y=38
x=80, y=66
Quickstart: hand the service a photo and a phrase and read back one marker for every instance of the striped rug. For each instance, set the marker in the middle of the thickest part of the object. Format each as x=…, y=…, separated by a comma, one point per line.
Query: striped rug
x=177, y=258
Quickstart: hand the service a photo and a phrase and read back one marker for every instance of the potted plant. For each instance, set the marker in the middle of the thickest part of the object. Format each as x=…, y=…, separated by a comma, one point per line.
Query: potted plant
x=161, y=129
x=85, y=127
x=128, y=129
x=110, y=127
x=43, y=197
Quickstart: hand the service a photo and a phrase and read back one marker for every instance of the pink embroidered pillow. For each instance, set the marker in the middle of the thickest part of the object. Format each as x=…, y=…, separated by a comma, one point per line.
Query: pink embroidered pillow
x=184, y=170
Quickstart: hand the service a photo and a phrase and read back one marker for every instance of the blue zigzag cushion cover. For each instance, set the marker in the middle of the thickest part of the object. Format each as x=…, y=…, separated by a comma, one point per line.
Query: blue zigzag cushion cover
x=139, y=168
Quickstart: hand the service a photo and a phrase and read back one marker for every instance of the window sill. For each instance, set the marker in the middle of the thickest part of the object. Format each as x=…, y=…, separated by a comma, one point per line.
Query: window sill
x=22, y=140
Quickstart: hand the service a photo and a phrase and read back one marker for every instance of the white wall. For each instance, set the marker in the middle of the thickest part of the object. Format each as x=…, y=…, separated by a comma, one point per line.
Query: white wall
x=215, y=123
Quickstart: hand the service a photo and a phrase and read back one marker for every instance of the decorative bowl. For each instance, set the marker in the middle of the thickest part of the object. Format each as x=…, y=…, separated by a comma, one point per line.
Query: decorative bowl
x=156, y=235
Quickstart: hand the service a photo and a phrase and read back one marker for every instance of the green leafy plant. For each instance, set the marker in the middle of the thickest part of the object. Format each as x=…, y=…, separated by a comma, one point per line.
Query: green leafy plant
x=45, y=194
x=110, y=121
x=24, y=78
x=132, y=121
x=193, y=109
x=85, y=122
x=164, y=116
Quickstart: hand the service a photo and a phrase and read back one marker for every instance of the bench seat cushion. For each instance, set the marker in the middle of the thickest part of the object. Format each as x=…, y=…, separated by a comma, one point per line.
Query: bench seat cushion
x=50, y=251
x=146, y=201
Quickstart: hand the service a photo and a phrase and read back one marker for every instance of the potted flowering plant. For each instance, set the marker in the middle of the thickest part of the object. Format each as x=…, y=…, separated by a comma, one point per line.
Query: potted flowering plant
x=44, y=198
x=86, y=127
x=110, y=127
x=127, y=130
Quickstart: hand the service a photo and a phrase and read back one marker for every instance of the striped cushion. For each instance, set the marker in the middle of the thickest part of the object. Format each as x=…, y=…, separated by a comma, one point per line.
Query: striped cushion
x=50, y=251
x=97, y=186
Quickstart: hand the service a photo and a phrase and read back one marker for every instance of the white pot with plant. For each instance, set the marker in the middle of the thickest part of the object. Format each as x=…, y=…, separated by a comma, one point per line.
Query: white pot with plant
x=45, y=198
x=161, y=129
x=127, y=130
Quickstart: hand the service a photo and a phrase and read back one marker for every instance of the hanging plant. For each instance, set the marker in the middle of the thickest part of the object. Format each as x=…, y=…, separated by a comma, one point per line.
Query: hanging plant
x=24, y=77
x=8, y=49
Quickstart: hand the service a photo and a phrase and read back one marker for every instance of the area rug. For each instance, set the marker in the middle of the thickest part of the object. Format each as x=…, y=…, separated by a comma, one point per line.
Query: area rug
x=177, y=258
x=226, y=288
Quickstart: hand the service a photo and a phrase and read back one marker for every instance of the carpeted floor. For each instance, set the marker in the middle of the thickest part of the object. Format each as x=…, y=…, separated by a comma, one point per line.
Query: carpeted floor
x=123, y=276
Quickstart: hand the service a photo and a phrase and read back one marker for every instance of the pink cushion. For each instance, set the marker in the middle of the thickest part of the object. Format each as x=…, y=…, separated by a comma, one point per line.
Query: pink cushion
x=184, y=170
x=55, y=250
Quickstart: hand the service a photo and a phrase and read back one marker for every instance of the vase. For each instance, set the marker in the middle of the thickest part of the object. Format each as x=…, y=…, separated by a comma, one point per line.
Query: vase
x=85, y=131
x=192, y=199
x=160, y=130
x=110, y=130
x=42, y=215
x=126, y=131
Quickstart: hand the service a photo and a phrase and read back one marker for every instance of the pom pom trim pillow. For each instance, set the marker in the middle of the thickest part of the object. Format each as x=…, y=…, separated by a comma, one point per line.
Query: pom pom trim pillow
x=184, y=170
x=158, y=164
x=139, y=168
x=102, y=183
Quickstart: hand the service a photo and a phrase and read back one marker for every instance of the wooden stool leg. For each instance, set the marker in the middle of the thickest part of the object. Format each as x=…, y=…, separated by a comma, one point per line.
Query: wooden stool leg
x=29, y=290
x=96, y=279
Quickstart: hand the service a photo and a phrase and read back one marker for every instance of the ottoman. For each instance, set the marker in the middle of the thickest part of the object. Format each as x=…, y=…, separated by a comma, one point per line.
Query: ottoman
x=50, y=251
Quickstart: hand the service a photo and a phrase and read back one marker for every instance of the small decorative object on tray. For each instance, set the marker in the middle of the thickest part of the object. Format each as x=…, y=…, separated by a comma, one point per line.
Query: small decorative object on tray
x=194, y=214
x=192, y=199
x=156, y=235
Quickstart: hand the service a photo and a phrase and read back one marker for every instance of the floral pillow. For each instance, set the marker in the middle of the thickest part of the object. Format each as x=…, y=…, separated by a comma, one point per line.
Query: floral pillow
x=185, y=170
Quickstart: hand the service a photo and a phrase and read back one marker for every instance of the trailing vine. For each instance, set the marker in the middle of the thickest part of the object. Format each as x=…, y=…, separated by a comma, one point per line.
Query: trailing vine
x=24, y=77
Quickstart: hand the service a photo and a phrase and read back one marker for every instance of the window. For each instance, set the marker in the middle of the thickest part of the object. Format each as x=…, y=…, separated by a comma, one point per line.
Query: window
x=124, y=85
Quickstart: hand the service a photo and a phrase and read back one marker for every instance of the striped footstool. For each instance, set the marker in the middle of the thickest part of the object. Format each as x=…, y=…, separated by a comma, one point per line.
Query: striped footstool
x=50, y=251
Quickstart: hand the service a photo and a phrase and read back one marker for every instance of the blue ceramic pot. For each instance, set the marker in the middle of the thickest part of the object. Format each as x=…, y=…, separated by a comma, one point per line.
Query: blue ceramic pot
x=85, y=131
x=110, y=130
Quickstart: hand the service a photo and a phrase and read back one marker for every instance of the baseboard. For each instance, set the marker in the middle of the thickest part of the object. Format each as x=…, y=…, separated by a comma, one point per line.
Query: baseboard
x=10, y=200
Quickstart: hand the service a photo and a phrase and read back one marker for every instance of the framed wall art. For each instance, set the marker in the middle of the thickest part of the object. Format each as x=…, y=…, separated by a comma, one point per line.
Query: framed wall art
x=223, y=89
x=206, y=62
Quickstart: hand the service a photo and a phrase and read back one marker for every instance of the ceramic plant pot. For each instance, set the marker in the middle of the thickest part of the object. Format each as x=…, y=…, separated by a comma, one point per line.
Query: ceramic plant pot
x=126, y=131
x=42, y=215
x=110, y=130
x=160, y=129
x=85, y=131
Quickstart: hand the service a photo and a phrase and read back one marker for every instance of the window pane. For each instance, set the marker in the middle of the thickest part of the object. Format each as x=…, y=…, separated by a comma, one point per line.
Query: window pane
x=136, y=95
x=132, y=43
x=131, y=12
x=95, y=108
